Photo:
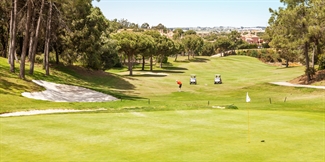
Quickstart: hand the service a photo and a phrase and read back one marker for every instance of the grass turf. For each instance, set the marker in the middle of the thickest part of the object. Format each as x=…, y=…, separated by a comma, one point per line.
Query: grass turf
x=184, y=135
x=139, y=127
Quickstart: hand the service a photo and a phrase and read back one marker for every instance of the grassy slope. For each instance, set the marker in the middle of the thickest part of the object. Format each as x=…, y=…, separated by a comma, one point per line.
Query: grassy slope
x=193, y=132
x=240, y=75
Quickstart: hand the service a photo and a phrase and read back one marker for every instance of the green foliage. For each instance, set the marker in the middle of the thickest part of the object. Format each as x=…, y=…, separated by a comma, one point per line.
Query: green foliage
x=265, y=55
x=193, y=44
x=4, y=26
x=87, y=42
x=160, y=27
x=178, y=33
x=246, y=45
x=231, y=107
x=321, y=62
x=145, y=26
x=132, y=44
x=211, y=37
x=190, y=32
x=297, y=29
x=265, y=45
x=234, y=36
x=310, y=71
x=164, y=59
x=208, y=49
x=253, y=53
x=224, y=44
x=114, y=26
x=124, y=23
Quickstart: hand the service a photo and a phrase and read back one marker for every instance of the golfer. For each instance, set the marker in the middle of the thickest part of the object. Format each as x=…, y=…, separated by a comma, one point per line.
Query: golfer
x=179, y=84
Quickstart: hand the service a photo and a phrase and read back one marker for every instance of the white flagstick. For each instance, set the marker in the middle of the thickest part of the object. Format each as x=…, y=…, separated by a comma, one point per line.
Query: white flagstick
x=248, y=132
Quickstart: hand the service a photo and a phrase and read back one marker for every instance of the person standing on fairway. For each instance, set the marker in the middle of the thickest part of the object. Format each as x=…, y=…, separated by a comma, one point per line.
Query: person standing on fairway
x=179, y=85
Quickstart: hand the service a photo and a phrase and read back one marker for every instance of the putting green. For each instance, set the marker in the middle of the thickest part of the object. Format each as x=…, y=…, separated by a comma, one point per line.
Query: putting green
x=186, y=135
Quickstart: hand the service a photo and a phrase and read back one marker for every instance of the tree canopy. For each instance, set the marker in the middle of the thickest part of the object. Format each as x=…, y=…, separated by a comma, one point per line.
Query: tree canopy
x=298, y=29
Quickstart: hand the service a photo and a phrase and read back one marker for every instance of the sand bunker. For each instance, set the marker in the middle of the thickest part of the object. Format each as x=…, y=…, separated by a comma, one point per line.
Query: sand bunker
x=67, y=93
x=49, y=111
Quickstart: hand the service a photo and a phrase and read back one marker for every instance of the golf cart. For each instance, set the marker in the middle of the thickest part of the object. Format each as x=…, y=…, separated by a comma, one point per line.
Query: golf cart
x=217, y=79
x=193, y=79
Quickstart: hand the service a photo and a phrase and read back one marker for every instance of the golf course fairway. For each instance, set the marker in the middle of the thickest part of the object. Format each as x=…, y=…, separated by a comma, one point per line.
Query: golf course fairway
x=153, y=121
x=184, y=135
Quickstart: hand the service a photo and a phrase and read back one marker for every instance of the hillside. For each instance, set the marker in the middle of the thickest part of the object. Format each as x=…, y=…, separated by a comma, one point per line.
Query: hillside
x=317, y=79
x=149, y=90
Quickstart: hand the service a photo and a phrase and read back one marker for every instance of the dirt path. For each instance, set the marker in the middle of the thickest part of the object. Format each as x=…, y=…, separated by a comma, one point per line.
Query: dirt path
x=297, y=85
x=49, y=111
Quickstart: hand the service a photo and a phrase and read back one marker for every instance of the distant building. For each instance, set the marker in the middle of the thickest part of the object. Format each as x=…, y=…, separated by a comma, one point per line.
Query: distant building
x=252, y=38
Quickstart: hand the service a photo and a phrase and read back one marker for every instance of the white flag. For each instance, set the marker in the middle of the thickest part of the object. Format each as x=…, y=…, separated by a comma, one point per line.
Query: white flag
x=247, y=98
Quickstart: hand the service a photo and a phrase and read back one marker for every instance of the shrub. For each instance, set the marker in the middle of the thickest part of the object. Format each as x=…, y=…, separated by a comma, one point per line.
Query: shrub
x=39, y=59
x=321, y=62
x=231, y=107
x=164, y=59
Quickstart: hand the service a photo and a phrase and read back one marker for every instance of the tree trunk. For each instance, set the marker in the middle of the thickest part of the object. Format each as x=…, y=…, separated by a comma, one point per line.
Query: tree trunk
x=143, y=62
x=13, y=31
x=130, y=62
x=287, y=63
x=313, y=58
x=176, y=57
x=188, y=54
x=56, y=54
x=26, y=38
x=35, y=40
x=47, y=41
x=31, y=39
x=161, y=60
x=308, y=71
x=10, y=34
x=151, y=63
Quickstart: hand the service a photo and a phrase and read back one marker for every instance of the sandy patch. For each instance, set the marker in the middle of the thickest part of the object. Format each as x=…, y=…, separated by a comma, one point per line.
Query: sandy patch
x=67, y=93
x=217, y=55
x=152, y=73
x=297, y=85
x=135, y=73
x=218, y=107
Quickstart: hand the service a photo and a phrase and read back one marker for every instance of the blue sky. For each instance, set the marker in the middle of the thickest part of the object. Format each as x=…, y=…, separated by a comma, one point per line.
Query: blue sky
x=190, y=13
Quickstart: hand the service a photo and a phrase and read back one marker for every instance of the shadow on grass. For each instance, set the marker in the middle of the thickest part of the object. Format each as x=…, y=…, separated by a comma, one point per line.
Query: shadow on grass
x=10, y=87
x=100, y=81
x=94, y=77
x=199, y=60
x=148, y=75
x=174, y=68
x=283, y=67
x=158, y=73
x=183, y=61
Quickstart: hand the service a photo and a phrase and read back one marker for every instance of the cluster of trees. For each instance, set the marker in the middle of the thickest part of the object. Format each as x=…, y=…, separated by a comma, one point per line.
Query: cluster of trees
x=76, y=32
x=298, y=31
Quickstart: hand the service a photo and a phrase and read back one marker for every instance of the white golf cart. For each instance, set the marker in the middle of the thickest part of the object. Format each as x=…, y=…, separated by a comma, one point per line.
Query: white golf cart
x=217, y=79
x=193, y=79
